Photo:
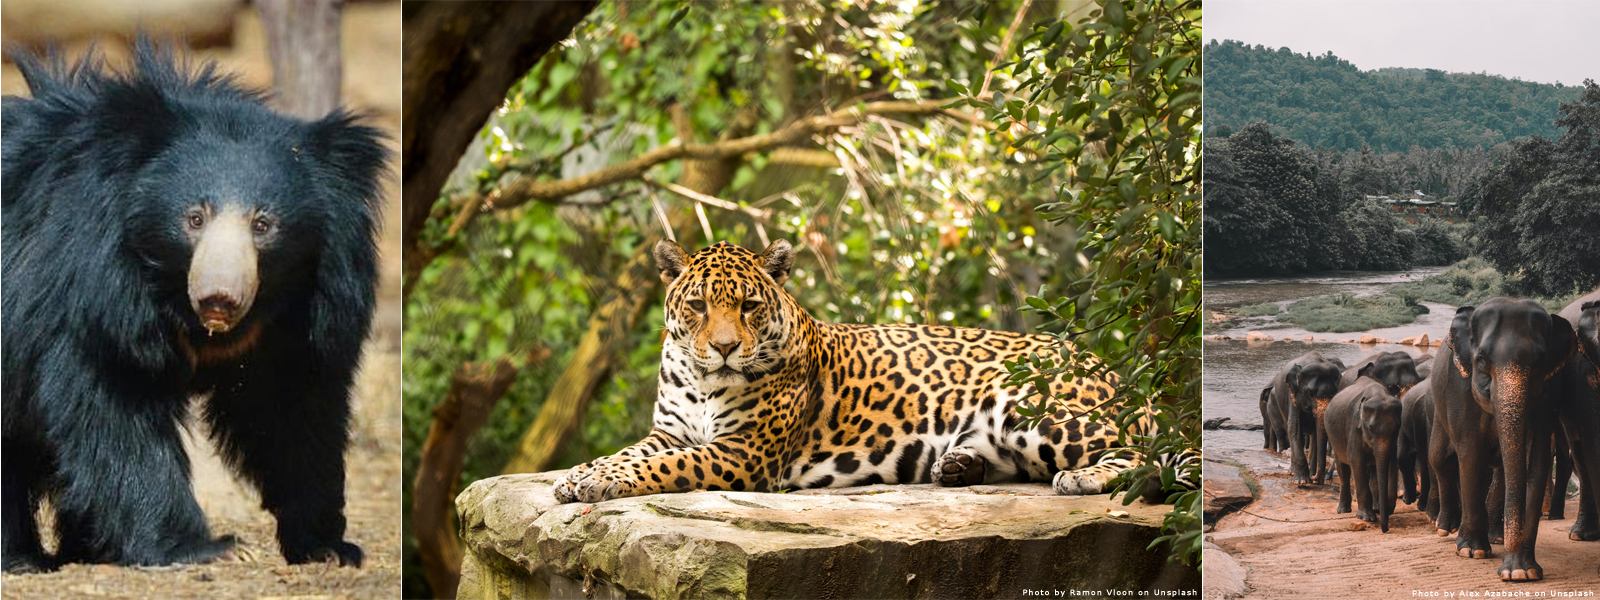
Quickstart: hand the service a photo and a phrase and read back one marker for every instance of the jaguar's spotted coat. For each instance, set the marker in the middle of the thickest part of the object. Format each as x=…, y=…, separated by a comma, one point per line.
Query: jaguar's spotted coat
x=757, y=395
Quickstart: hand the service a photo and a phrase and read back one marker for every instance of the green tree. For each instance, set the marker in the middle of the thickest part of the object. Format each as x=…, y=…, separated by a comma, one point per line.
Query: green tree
x=1538, y=209
x=1110, y=105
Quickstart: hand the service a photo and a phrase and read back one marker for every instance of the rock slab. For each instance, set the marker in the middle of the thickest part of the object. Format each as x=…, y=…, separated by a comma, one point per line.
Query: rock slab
x=880, y=541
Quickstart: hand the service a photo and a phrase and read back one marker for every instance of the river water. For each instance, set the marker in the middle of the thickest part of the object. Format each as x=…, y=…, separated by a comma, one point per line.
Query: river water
x=1235, y=371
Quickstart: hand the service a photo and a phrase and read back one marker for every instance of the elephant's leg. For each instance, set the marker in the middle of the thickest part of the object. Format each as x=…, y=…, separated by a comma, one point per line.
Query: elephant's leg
x=1556, y=500
x=1586, y=527
x=1495, y=506
x=1344, y=487
x=1428, y=496
x=1297, y=449
x=1519, y=563
x=1473, y=539
x=1361, y=476
x=1408, y=474
x=1445, y=466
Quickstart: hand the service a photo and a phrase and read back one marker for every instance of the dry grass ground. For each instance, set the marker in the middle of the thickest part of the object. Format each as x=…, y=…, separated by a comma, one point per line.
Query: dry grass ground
x=372, y=83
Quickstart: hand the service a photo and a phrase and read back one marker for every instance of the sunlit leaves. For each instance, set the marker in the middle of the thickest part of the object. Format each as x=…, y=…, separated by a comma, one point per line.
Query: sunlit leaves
x=1116, y=114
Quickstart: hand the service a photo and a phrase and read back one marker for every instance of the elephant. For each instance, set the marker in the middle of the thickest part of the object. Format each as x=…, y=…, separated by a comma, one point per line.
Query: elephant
x=1493, y=406
x=1272, y=429
x=1363, y=423
x=1299, y=394
x=1397, y=371
x=1416, y=420
x=1580, y=413
x=1424, y=367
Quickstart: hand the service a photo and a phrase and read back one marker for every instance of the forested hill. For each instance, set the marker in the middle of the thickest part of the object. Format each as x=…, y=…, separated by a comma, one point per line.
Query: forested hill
x=1326, y=101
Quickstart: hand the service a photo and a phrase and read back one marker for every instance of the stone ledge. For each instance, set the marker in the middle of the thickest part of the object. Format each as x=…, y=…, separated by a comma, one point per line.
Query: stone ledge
x=911, y=541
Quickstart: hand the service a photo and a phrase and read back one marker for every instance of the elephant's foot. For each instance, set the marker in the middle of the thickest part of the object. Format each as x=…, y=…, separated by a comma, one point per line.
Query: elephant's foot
x=1443, y=532
x=1584, y=528
x=1498, y=536
x=1468, y=546
x=1343, y=508
x=1366, y=515
x=1517, y=567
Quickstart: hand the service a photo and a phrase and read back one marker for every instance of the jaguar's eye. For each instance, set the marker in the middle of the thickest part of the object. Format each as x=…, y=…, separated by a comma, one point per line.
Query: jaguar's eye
x=261, y=225
x=195, y=220
x=750, y=305
x=698, y=305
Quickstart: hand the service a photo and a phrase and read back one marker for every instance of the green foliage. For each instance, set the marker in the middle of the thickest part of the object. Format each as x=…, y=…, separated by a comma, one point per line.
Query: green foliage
x=1536, y=209
x=1111, y=102
x=1325, y=101
x=1275, y=207
x=1438, y=242
x=1342, y=313
x=1470, y=282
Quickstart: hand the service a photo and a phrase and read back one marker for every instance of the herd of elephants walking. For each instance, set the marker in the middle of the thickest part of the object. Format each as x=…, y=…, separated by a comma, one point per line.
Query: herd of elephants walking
x=1471, y=436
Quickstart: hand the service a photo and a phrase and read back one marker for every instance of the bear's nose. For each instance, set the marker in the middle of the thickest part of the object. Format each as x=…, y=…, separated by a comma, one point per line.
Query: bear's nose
x=725, y=349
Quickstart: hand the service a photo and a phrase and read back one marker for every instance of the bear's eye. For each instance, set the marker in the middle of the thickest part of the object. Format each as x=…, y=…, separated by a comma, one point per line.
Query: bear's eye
x=195, y=220
x=261, y=225
x=750, y=305
x=698, y=305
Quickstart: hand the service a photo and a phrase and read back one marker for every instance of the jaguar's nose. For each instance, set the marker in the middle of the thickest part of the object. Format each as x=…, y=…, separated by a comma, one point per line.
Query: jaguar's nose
x=725, y=349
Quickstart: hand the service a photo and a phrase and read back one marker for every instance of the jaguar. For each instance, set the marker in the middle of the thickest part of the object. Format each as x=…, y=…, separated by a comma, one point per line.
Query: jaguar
x=757, y=395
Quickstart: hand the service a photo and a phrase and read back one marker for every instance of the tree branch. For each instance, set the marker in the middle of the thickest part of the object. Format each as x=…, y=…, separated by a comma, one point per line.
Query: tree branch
x=526, y=189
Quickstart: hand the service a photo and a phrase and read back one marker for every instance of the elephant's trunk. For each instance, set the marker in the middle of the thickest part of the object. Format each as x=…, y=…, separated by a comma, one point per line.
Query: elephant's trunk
x=1513, y=419
x=1319, y=456
x=1387, y=476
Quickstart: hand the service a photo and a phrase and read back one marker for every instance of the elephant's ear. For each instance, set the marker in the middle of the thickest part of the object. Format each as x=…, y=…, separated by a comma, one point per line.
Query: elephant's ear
x=1560, y=345
x=1461, y=340
x=1366, y=369
x=1266, y=394
x=1292, y=378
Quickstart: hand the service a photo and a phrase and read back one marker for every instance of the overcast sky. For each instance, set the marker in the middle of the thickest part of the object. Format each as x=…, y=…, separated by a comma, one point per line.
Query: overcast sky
x=1543, y=41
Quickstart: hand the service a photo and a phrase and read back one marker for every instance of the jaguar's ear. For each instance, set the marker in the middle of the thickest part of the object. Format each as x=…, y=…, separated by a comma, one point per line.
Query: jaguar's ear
x=777, y=260
x=670, y=260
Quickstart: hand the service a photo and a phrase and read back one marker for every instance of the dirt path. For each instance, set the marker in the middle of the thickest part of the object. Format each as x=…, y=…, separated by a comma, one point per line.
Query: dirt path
x=1293, y=546
x=373, y=480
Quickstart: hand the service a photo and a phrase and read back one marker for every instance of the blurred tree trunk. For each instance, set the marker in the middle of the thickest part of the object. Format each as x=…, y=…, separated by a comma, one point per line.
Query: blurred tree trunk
x=599, y=352
x=475, y=388
x=460, y=58
x=303, y=43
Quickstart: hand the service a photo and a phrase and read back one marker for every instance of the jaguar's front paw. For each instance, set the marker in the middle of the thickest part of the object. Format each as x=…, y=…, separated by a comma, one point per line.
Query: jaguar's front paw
x=566, y=488
x=1075, y=483
x=599, y=485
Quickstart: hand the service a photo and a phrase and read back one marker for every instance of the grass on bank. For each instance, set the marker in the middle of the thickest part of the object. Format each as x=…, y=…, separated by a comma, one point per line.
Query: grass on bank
x=1342, y=313
x=1470, y=282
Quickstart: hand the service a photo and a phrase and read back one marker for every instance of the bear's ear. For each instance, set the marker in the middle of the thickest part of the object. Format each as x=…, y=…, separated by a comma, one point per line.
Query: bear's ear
x=777, y=260
x=671, y=260
x=352, y=155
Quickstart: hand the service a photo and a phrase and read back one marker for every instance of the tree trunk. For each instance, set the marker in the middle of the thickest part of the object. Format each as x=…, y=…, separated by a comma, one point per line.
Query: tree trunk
x=597, y=352
x=303, y=42
x=460, y=58
x=474, y=390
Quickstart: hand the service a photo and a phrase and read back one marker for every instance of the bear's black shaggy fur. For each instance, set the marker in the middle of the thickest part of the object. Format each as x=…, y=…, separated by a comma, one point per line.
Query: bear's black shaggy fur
x=166, y=235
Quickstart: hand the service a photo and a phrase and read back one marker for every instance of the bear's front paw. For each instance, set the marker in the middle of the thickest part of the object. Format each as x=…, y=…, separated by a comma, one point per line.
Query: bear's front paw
x=342, y=553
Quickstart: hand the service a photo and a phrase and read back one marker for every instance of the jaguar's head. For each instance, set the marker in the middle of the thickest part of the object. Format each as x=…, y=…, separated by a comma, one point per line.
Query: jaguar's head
x=725, y=308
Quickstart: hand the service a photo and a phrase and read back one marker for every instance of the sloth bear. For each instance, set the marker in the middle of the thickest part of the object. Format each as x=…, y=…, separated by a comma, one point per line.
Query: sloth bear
x=166, y=235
